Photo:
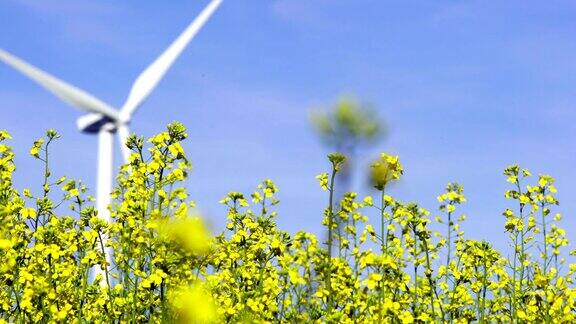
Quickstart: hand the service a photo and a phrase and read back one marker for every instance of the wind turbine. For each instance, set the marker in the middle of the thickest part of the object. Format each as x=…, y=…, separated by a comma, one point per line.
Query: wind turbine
x=103, y=119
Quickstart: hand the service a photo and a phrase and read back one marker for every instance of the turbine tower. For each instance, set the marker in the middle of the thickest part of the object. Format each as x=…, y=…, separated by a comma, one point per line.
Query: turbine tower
x=103, y=119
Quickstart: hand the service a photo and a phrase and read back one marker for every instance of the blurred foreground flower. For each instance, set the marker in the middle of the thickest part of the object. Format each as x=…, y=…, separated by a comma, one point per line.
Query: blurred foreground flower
x=189, y=232
x=193, y=304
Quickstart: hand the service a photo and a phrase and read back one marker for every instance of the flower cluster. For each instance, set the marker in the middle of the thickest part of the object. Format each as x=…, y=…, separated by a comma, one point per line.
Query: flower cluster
x=407, y=267
x=158, y=263
x=155, y=243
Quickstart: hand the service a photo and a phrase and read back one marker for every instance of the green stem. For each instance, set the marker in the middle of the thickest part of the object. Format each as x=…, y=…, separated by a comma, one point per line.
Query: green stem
x=484, y=288
x=449, y=241
x=544, y=236
x=383, y=248
x=105, y=266
x=514, y=271
x=429, y=277
x=448, y=257
x=330, y=241
x=414, y=256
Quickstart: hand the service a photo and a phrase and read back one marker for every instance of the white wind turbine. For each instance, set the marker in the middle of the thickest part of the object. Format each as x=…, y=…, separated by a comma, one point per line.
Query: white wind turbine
x=102, y=118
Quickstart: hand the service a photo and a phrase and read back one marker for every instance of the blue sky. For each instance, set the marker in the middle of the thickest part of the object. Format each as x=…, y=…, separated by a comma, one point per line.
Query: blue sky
x=466, y=87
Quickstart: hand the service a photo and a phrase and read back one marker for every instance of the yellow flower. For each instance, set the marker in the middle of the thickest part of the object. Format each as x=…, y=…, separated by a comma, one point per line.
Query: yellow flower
x=385, y=170
x=35, y=150
x=5, y=244
x=368, y=201
x=323, y=178
x=28, y=213
x=372, y=281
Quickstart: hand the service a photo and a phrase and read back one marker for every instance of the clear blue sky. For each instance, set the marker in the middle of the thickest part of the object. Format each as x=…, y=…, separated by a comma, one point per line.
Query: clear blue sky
x=467, y=87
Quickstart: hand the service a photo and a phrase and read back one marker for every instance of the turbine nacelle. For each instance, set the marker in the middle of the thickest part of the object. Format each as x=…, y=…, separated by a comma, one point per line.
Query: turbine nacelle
x=93, y=123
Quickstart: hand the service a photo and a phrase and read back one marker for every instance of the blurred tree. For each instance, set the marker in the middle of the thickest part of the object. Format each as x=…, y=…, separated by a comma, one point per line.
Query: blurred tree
x=349, y=126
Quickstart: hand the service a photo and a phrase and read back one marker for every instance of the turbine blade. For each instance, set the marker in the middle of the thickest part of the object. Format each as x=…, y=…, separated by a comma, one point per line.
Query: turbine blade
x=147, y=81
x=66, y=92
x=123, y=133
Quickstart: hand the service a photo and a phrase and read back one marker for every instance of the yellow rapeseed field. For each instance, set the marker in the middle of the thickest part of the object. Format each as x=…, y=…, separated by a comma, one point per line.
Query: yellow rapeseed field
x=402, y=266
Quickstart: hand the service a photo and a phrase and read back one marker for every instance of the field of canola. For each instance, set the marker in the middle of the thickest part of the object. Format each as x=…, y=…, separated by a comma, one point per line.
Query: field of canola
x=393, y=268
